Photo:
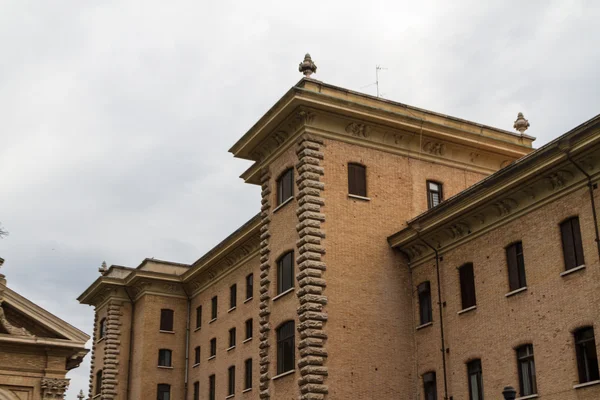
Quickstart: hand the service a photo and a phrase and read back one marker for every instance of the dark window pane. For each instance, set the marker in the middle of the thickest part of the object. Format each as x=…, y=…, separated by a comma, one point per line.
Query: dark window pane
x=429, y=386
x=249, y=329
x=285, y=186
x=213, y=347
x=98, y=382
x=425, y=313
x=164, y=392
x=285, y=272
x=197, y=355
x=213, y=311
x=211, y=387
x=248, y=375
x=196, y=390
x=164, y=358
x=232, y=337
x=357, y=180
x=475, y=380
x=285, y=347
x=102, y=329
x=434, y=194
x=249, y=286
x=232, y=296
x=231, y=386
x=587, y=358
x=166, y=320
x=467, y=286
x=198, y=317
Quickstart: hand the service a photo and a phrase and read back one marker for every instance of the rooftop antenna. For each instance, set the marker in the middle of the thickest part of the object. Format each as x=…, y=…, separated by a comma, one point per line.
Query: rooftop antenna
x=377, y=69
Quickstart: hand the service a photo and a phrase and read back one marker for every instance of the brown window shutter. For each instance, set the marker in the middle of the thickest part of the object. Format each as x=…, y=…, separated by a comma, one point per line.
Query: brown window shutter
x=352, y=179
x=513, y=269
x=568, y=245
x=357, y=180
x=577, y=243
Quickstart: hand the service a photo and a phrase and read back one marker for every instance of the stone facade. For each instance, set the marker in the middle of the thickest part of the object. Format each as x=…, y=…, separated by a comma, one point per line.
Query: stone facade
x=359, y=259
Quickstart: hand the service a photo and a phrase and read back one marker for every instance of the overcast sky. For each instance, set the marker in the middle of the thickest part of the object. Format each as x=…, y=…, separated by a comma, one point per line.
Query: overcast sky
x=116, y=116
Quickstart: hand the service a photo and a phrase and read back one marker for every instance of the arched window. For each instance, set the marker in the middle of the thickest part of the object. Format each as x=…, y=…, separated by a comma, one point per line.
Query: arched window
x=102, y=328
x=165, y=358
x=164, y=391
x=285, y=272
x=587, y=358
x=286, y=347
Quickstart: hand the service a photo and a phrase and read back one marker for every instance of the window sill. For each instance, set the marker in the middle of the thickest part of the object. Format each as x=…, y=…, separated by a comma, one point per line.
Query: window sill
x=516, y=291
x=570, y=271
x=212, y=320
x=582, y=385
x=531, y=396
x=230, y=396
x=286, y=373
x=247, y=300
x=171, y=332
x=466, y=310
x=357, y=197
x=283, y=204
x=424, y=325
x=247, y=340
x=196, y=365
x=197, y=329
x=212, y=357
x=164, y=367
x=231, y=309
x=246, y=390
x=103, y=338
x=231, y=348
x=282, y=294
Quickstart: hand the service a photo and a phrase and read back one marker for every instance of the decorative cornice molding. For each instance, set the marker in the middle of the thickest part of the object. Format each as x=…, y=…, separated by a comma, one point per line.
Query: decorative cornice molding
x=54, y=388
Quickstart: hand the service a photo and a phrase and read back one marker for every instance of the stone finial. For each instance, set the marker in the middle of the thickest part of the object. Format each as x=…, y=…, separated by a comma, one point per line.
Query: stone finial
x=307, y=67
x=80, y=396
x=521, y=124
x=103, y=268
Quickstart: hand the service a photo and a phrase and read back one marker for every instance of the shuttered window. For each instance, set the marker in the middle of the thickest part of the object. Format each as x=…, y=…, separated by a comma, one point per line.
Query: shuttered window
x=232, y=337
x=571, y=242
x=196, y=390
x=285, y=186
x=429, y=386
x=198, y=317
x=98, y=382
x=285, y=272
x=249, y=286
x=166, y=320
x=211, y=387
x=527, y=381
x=587, y=358
x=231, y=385
x=516, y=266
x=248, y=374
x=197, y=355
x=475, y=380
x=435, y=194
x=232, y=296
x=425, y=314
x=467, y=286
x=249, y=328
x=285, y=347
x=102, y=328
x=357, y=180
x=213, y=347
x=213, y=310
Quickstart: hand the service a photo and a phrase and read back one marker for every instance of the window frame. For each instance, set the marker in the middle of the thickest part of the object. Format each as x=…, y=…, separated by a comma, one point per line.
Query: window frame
x=231, y=380
x=214, y=304
x=570, y=233
x=286, y=347
x=515, y=265
x=163, y=386
x=528, y=359
x=283, y=197
x=233, y=296
x=167, y=319
x=280, y=267
x=249, y=329
x=357, y=179
x=468, y=291
x=424, y=294
x=429, y=384
x=248, y=374
x=439, y=191
x=166, y=356
x=474, y=368
x=249, y=286
x=581, y=352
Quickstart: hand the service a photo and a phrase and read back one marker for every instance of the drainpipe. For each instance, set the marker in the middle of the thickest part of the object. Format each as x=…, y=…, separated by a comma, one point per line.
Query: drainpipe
x=187, y=341
x=591, y=191
x=131, y=336
x=439, y=290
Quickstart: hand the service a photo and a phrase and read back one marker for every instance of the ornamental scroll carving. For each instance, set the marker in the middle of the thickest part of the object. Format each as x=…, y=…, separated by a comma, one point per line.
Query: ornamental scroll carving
x=435, y=148
x=54, y=388
x=10, y=328
x=558, y=179
x=356, y=129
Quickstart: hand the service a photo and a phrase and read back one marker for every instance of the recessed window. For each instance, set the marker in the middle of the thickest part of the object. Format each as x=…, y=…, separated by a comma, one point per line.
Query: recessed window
x=357, y=180
x=232, y=296
x=429, y=386
x=232, y=337
x=248, y=374
x=587, y=358
x=475, y=380
x=571, y=242
x=166, y=320
x=164, y=358
x=98, y=382
x=285, y=272
x=285, y=347
x=102, y=328
x=527, y=381
x=197, y=355
x=196, y=390
x=285, y=186
x=231, y=380
x=425, y=313
x=213, y=310
x=164, y=391
x=211, y=387
x=516, y=266
x=213, y=347
x=249, y=328
x=249, y=286
x=467, y=286
x=198, y=317
x=435, y=194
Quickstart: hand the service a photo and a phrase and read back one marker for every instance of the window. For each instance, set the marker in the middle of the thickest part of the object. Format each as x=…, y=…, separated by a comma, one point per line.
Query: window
x=285, y=186
x=429, y=386
x=249, y=286
x=475, y=380
x=164, y=391
x=526, y=370
x=196, y=390
x=197, y=355
x=249, y=328
x=166, y=320
x=98, y=382
x=467, y=286
x=164, y=358
x=285, y=272
x=357, y=180
x=211, y=387
x=516, y=266
x=285, y=347
x=213, y=347
x=198, y=317
x=213, y=311
x=231, y=380
x=232, y=296
x=587, y=359
x=435, y=194
x=248, y=375
x=232, y=337
x=571, y=241
x=424, y=290
x=102, y=328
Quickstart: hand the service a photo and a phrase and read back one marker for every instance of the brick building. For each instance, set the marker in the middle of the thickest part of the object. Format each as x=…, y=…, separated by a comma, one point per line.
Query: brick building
x=386, y=233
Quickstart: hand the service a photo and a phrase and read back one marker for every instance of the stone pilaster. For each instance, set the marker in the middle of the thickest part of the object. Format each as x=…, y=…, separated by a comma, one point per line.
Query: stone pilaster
x=93, y=355
x=110, y=373
x=54, y=388
x=311, y=312
x=265, y=298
